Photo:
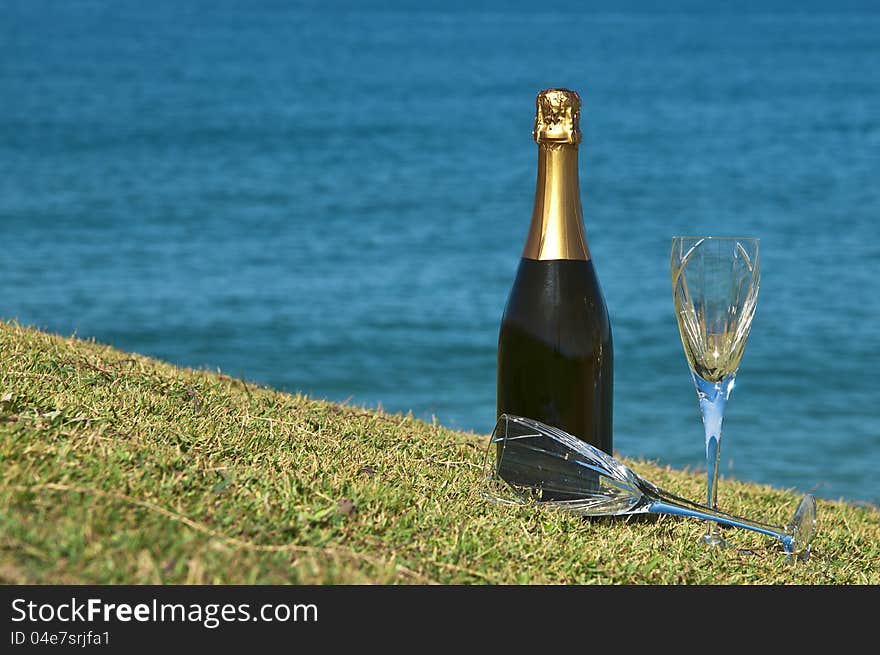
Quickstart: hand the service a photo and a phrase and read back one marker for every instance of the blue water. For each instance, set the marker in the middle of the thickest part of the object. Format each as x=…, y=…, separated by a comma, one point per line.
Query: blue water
x=334, y=201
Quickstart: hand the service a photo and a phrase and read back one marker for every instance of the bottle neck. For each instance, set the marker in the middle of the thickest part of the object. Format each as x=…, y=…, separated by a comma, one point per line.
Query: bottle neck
x=557, y=229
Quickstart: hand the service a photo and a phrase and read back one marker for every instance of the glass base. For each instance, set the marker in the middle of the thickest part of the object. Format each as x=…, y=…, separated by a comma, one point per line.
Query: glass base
x=715, y=540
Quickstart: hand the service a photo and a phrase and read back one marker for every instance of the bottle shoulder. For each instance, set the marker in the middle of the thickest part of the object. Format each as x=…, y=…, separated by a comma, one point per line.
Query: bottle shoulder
x=558, y=282
x=557, y=300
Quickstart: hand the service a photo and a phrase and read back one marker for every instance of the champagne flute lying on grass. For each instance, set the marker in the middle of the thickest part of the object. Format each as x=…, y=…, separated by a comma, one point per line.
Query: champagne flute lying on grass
x=530, y=462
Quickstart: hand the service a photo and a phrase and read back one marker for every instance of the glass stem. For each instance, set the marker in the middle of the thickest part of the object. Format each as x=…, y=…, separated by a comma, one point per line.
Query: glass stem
x=796, y=536
x=713, y=400
x=680, y=507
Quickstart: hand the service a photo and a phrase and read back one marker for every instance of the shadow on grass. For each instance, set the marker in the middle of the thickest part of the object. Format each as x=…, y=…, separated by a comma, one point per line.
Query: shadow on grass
x=647, y=517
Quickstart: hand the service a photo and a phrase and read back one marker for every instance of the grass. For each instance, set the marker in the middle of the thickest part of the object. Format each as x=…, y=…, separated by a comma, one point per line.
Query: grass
x=119, y=469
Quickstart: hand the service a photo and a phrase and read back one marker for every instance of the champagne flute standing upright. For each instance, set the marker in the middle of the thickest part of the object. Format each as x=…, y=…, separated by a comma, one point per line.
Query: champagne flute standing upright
x=715, y=282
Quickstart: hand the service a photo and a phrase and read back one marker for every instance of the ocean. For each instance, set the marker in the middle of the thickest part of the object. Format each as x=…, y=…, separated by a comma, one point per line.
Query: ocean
x=333, y=199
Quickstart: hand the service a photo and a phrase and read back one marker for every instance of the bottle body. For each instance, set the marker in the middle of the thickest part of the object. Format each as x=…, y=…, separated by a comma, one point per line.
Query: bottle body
x=555, y=352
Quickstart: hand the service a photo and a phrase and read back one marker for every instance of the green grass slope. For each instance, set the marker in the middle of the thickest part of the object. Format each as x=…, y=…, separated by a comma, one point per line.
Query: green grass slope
x=116, y=468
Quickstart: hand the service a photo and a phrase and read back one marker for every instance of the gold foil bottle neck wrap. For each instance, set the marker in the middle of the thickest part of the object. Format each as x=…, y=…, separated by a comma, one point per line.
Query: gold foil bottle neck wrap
x=557, y=116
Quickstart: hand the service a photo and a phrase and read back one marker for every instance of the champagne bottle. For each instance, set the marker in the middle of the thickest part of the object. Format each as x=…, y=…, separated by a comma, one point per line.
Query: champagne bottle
x=554, y=347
